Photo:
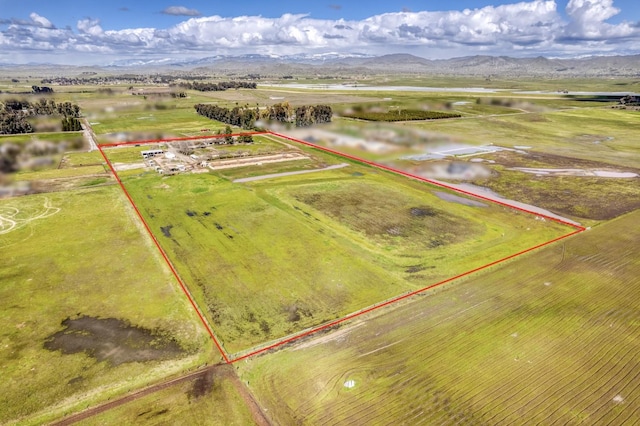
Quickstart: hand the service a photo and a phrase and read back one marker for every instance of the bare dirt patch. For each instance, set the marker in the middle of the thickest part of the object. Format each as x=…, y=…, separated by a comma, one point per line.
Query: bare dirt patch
x=202, y=385
x=112, y=340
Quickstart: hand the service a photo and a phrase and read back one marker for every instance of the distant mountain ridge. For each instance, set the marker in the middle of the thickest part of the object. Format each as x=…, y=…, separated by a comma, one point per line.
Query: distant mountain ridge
x=334, y=63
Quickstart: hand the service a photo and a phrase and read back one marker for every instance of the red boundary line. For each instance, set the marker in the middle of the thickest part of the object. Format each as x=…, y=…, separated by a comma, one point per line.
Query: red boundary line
x=164, y=255
x=578, y=230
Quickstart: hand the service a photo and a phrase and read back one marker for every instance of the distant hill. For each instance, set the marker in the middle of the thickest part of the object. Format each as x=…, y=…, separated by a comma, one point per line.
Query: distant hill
x=357, y=63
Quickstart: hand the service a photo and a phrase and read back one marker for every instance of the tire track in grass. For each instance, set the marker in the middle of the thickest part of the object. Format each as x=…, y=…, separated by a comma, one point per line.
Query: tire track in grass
x=523, y=392
x=579, y=397
x=9, y=221
x=599, y=373
x=626, y=363
x=539, y=404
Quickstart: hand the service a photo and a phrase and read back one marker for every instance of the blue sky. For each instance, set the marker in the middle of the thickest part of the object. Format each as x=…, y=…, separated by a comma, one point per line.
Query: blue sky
x=100, y=32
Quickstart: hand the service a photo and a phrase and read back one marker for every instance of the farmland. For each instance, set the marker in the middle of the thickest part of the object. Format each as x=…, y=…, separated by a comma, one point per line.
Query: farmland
x=555, y=342
x=302, y=250
x=94, y=315
x=76, y=264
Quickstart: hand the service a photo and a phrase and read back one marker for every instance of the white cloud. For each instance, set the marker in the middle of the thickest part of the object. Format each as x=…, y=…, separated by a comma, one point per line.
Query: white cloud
x=40, y=20
x=525, y=28
x=90, y=26
x=588, y=21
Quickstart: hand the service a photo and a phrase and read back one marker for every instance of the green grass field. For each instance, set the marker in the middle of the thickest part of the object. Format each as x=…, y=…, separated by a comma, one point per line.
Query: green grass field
x=168, y=122
x=82, y=255
x=549, y=338
x=269, y=258
x=91, y=312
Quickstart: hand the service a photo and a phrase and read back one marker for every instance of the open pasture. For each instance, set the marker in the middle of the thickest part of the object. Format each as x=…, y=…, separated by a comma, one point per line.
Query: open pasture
x=269, y=258
x=84, y=290
x=155, y=122
x=550, y=338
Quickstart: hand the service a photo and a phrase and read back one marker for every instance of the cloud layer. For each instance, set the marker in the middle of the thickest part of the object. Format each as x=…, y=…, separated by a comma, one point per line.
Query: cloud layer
x=525, y=28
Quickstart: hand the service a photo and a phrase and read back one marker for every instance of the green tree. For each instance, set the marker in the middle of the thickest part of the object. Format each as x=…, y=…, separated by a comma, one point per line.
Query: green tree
x=228, y=139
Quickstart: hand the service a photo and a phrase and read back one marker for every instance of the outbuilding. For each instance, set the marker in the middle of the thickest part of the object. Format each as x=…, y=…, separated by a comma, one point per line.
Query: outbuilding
x=151, y=153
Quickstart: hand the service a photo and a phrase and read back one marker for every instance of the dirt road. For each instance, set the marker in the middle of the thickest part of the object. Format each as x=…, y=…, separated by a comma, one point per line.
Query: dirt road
x=221, y=371
x=89, y=134
x=300, y=172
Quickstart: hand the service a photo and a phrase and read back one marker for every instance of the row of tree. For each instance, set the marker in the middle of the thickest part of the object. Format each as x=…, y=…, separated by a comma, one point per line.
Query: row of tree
x=246, y=117
x=243, y=117
x=15, y=114
x=203, y=86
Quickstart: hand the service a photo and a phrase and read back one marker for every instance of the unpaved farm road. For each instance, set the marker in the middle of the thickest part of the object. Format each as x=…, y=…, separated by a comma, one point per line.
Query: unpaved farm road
x=89, y=135
x=220, y=371
x=300, y=172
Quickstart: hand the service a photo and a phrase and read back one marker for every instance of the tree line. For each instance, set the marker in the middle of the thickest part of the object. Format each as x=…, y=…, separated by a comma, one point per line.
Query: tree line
x=15, y=114
x=246, y=117
x=203, y=86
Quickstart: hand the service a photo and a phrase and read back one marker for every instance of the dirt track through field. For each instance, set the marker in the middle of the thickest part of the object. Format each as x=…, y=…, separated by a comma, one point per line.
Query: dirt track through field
x=221, y=371
x=300, y=172
x=9, y=220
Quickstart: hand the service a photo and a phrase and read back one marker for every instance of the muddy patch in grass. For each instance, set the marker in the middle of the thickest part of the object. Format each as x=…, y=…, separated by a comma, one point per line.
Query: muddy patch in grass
x=422, y=211
x=202, y=386
x=113, y=340
x=295, y=313
x=166, y=230
x=417, y=268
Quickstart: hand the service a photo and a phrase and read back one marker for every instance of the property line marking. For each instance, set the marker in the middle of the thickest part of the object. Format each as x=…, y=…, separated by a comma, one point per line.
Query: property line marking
x=166, y=258
x=291, y=338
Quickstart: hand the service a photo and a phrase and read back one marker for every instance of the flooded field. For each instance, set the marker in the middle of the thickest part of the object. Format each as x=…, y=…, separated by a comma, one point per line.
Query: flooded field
x=112, y=340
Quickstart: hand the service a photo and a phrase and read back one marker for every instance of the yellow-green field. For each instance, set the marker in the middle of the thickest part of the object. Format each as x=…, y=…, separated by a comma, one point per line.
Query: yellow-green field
x=549, y=338
x=81, y=258
x=92, y=314
x=272, y=257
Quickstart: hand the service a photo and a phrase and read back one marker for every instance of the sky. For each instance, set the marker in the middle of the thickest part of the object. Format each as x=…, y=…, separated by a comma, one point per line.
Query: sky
x=105, y=32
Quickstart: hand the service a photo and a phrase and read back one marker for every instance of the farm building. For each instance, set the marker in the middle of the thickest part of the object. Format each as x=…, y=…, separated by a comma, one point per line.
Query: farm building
x=151, y=153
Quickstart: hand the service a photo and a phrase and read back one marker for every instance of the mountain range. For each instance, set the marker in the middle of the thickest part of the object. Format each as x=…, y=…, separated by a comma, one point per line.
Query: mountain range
x=356, y=63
